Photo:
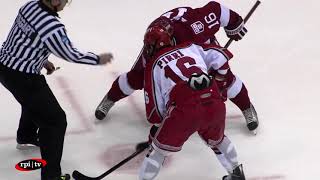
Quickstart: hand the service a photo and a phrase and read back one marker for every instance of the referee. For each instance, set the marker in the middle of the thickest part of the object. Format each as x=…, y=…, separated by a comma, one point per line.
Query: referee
x=35, y=34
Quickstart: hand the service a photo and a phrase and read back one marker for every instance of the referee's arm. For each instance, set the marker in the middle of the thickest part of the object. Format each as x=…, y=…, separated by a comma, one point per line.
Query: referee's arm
x=59, y=44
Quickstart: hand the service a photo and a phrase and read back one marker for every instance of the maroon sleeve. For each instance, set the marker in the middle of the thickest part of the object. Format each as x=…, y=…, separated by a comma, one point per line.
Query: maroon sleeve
x=234, y=21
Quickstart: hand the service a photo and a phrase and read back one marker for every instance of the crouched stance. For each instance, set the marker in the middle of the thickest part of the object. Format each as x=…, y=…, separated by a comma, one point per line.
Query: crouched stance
x=181, y=98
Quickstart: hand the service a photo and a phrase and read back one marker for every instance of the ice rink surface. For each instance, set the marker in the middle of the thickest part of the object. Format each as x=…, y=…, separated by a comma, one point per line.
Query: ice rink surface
x=277, y=60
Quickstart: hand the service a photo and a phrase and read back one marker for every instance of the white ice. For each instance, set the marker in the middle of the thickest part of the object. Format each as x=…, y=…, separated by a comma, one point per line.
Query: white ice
x=277, y=60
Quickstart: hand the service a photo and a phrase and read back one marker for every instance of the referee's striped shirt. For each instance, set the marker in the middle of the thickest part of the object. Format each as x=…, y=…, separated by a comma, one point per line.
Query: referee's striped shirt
x=36, y=33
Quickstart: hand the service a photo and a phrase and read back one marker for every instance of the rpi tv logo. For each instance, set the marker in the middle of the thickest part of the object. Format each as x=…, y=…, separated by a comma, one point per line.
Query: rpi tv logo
x=31, y=164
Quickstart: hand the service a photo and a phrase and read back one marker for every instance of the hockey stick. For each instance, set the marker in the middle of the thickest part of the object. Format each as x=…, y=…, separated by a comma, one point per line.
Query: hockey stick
x=79, y=176
x=245, y=19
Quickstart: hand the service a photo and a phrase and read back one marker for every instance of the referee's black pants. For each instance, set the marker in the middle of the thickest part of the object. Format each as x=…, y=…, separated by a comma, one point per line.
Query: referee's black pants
x=28, y=130
x=38, y=102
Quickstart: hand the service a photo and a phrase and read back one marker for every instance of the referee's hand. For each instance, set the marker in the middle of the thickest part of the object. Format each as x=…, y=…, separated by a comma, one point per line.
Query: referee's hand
x=105, y=58
x=49, y=66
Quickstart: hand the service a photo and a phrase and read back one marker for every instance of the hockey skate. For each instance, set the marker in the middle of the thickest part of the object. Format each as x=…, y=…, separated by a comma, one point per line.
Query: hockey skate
x=251, y=117
x=27, y=145
x=237, y=174
x=103, y=108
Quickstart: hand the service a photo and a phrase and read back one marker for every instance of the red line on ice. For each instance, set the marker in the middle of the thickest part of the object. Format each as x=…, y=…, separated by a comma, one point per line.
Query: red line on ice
x=74, y=102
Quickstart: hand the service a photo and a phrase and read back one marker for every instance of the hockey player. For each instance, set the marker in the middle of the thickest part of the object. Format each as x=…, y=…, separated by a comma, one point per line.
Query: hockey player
x=181, y=98
x=199, y=26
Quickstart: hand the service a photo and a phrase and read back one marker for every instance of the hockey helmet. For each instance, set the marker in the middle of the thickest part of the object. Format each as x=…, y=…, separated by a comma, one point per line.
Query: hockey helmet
x=158, y=35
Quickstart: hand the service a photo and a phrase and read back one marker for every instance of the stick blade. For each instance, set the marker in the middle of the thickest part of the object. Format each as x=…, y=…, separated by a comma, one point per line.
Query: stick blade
x=79, y=176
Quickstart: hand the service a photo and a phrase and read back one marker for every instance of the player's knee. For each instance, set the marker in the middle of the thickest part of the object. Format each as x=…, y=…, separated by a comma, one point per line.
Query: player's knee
x=135, y=79
x=152, y=163
x=213, y=141
x=124, y=84
x=234, y=88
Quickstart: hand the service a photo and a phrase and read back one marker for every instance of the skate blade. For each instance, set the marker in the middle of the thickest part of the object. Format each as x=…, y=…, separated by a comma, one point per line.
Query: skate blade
x=26, y=147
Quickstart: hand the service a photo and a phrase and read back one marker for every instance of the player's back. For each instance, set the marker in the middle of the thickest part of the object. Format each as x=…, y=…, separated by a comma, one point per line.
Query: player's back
x=198, y=25
x=177, y=64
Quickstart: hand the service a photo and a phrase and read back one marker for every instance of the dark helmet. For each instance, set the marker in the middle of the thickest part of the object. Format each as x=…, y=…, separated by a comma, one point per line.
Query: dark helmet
x=158, y=35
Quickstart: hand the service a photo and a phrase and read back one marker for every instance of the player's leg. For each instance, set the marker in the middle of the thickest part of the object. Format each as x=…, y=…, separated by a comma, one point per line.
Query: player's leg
x=238, y=94
x=170, y=136
x=122, y=87
x=227, y=155
x=152, y=163
x=212, y=132
x=114, y=95
x=245, y=105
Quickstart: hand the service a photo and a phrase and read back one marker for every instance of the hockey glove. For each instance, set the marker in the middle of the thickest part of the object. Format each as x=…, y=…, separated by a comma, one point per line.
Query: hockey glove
x=221, y=82
x=105, y=58
x=237, y=31
x=152, y=134
x=49, y=66
x=222, y=85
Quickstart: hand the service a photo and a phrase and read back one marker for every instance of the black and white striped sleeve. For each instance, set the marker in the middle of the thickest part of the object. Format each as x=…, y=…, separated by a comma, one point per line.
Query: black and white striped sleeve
x=60, y=45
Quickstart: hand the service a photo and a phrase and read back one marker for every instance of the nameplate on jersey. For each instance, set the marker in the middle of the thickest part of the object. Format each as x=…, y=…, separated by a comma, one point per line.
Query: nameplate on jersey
x=25, y=27
x=169, y=57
